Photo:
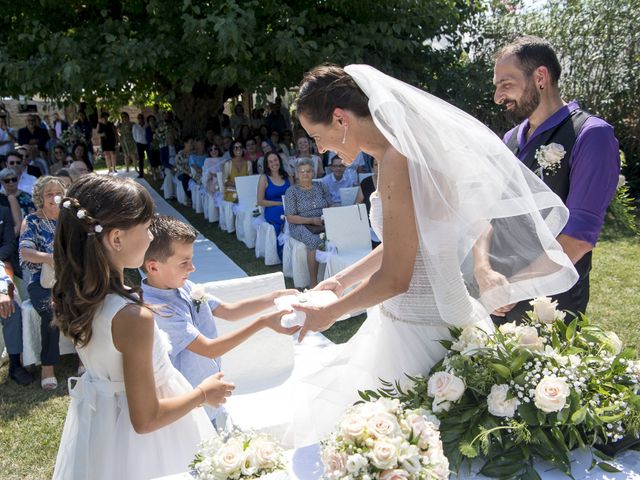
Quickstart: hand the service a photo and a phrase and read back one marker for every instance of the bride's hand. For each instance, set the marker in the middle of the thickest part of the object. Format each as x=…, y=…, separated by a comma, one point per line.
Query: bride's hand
x=331, y=284
x=318, y=319
x=487, y=279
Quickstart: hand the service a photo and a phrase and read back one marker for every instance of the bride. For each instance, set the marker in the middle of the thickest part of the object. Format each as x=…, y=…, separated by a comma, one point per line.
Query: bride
x=448, y=188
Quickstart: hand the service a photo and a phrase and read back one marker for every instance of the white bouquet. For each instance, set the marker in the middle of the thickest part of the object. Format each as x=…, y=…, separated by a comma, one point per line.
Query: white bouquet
x=239, y=455
x=381, y=440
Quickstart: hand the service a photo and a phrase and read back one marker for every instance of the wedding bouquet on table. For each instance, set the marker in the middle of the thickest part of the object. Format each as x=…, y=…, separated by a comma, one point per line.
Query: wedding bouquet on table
x=381, y=440
x=239, y=455
x=531, y=392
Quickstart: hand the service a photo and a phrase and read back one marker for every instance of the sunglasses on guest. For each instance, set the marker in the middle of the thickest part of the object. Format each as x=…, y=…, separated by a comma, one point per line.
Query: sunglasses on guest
x=10, y=180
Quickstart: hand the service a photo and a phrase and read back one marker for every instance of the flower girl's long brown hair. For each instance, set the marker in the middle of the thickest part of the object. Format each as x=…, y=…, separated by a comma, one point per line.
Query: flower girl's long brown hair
x=94, y=205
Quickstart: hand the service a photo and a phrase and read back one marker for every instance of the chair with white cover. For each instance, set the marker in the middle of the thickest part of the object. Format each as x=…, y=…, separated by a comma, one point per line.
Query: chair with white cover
x=247, y=189
x=362, y=176
x=227, y=219
x=348, y=195
x=267, y=242
x=348, y=231
x=181, y=195
x=194, y=187
x=167, y=184
x=31, y=337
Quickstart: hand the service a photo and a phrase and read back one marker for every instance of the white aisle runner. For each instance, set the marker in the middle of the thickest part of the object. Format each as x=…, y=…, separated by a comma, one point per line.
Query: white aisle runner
x=211, y=263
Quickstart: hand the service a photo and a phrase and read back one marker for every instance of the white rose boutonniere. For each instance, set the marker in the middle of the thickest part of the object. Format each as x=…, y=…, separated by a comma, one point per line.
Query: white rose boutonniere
x=549, y=158
x=198, y=296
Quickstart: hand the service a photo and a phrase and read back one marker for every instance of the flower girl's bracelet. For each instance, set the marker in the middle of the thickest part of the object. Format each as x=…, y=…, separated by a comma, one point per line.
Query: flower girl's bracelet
x=203, y=394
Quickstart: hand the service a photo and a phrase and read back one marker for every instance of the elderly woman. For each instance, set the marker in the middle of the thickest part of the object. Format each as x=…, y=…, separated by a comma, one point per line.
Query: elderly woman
x=304, y=202
x=36, y=254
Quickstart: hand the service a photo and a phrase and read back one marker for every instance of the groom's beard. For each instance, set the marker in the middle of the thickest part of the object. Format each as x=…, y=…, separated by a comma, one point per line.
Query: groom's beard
x=524, y=107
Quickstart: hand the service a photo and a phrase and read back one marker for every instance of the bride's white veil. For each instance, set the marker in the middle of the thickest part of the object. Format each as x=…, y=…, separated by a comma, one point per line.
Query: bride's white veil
x=464, y=182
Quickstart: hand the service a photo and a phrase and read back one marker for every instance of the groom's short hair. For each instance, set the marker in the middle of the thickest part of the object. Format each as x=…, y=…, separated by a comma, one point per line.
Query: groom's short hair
x=165, y=231
x=533, y=52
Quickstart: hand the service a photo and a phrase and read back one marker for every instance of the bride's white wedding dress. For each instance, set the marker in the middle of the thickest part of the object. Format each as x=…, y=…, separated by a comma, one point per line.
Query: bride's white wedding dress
x=400, y=336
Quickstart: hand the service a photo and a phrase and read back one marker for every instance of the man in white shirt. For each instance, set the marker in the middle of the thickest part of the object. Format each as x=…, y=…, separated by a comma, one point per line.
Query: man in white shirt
x=25, y=181
x=339, y=178
x=140, y=137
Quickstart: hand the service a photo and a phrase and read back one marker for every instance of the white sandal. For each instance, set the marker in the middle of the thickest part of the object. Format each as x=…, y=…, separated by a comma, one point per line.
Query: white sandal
x=49, y=383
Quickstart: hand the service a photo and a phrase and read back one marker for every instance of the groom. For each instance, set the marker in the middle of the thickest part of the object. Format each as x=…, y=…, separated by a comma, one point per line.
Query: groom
x=585, y=176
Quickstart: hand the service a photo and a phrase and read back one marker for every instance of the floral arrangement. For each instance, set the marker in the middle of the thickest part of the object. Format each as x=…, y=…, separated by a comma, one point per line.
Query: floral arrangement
x=382, y=440
x=198, y=297
x=549, y=158
x=536, y=390
x=72, y=136
x=323, y=242
x=239, y=455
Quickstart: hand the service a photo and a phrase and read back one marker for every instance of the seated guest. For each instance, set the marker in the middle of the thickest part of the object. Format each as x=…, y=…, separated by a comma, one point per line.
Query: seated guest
x=304, y=202
x=80, y=154
x=36, y=249
x=18, y=201
x=35, y=164
x=265, y=147
x=11, y=320
x=62, y=160
x=65, y=177
x=339, y=178
x=9, y=246
x=8, y=137
x=252, y=154
x=77, y=169
x=237, y=167
x=196, y=160
x=25, y=181
x=212, y=168
x=271, y=188
x=195, y=345
x=304, y=151
x=183, y=170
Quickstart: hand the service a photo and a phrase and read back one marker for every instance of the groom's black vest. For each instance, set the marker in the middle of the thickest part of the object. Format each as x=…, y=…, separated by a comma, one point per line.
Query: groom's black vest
x=565, y=133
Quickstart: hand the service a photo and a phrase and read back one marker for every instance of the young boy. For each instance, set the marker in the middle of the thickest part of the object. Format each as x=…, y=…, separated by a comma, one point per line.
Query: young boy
x=189, y=322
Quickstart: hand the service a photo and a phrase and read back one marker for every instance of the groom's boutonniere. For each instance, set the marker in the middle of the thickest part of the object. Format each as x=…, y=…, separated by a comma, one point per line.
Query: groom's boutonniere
x=198, y=297
x=549, y=158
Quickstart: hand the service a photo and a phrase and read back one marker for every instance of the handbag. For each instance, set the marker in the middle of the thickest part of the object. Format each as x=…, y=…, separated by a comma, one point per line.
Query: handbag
x=47, y=276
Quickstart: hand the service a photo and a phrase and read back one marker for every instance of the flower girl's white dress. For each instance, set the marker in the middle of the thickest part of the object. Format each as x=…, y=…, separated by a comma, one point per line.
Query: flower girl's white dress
x=98, y=441
x=400, y=336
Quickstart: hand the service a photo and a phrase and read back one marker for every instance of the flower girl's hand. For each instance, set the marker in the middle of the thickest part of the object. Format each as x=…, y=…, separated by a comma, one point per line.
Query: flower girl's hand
x=285, y=292
x=331, y=284
x=216, y=390
x=272, y=320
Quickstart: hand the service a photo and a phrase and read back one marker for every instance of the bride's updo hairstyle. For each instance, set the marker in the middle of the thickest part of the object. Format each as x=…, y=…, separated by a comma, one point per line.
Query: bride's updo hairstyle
x=94, y=205
x=326, y=88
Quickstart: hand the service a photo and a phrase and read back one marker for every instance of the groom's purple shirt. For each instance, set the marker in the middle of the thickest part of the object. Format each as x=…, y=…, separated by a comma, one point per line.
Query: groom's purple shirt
x=593, y=178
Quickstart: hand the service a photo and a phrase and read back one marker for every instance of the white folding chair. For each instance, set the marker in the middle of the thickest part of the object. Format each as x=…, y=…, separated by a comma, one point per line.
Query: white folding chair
x=348, y=195
x=181, y=195
x=348, y=230
x=31, y=337
x=247, y=189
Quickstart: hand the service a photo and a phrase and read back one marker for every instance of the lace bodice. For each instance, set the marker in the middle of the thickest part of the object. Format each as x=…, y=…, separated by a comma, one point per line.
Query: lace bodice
x=417, y=305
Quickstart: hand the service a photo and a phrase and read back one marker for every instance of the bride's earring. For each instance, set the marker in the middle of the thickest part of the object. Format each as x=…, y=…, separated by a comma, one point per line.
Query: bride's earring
x=344, y=137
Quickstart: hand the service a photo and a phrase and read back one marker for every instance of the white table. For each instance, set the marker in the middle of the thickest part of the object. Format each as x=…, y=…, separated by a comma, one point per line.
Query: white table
x=304, y=464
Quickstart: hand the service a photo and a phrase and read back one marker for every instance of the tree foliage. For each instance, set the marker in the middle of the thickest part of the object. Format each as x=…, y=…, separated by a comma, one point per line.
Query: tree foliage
x=194, y=54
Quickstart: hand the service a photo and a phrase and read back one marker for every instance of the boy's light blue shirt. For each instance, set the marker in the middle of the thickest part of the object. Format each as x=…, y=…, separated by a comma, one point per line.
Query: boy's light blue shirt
x=177, y=316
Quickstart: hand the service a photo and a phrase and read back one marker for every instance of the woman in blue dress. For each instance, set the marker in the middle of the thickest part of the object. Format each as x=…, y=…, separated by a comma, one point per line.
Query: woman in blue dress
x=271, y=187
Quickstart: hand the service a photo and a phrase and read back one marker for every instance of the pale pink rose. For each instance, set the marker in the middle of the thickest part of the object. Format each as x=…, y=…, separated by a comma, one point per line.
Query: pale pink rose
x=528, y=338
x=383, y=424
x=384, y=455
x=394, y=475
x=353, y=426
x=266, y=453
x=444, y=386
x=551, y=394
x=545, y=309
x=334, y=462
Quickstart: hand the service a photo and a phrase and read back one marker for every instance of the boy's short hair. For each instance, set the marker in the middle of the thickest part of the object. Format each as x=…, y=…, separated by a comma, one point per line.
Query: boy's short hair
x=165, y=230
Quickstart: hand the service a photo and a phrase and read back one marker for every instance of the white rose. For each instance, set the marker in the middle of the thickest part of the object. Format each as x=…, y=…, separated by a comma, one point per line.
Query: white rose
x=545, y=309
x=334, y=462
x=356, y=462
x=553, y=153
x=613, y=343
x=621, y=181
x=417, y=423
x=384, y=455
x=383, y=424
x=394, y=475
x=266, y=453
x=508, y=328
x=353, y=426
x=229, y=458
x=498, y=403
x=551, y=394
x=444, y=386
x=440, y=405
x=528, y=338
x=471, y=339
x=198, y=292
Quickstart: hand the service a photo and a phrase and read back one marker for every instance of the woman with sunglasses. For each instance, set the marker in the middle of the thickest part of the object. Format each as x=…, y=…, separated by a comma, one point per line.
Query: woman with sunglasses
x=18, y=201
x=237, y=167
x=211, y=168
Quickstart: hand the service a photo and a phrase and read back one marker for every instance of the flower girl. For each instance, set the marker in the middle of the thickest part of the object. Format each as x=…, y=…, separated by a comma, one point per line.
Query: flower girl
x=132, y=415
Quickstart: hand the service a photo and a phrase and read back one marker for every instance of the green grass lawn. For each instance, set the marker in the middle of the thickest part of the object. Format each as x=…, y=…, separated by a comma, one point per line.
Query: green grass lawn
x=31, y=420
